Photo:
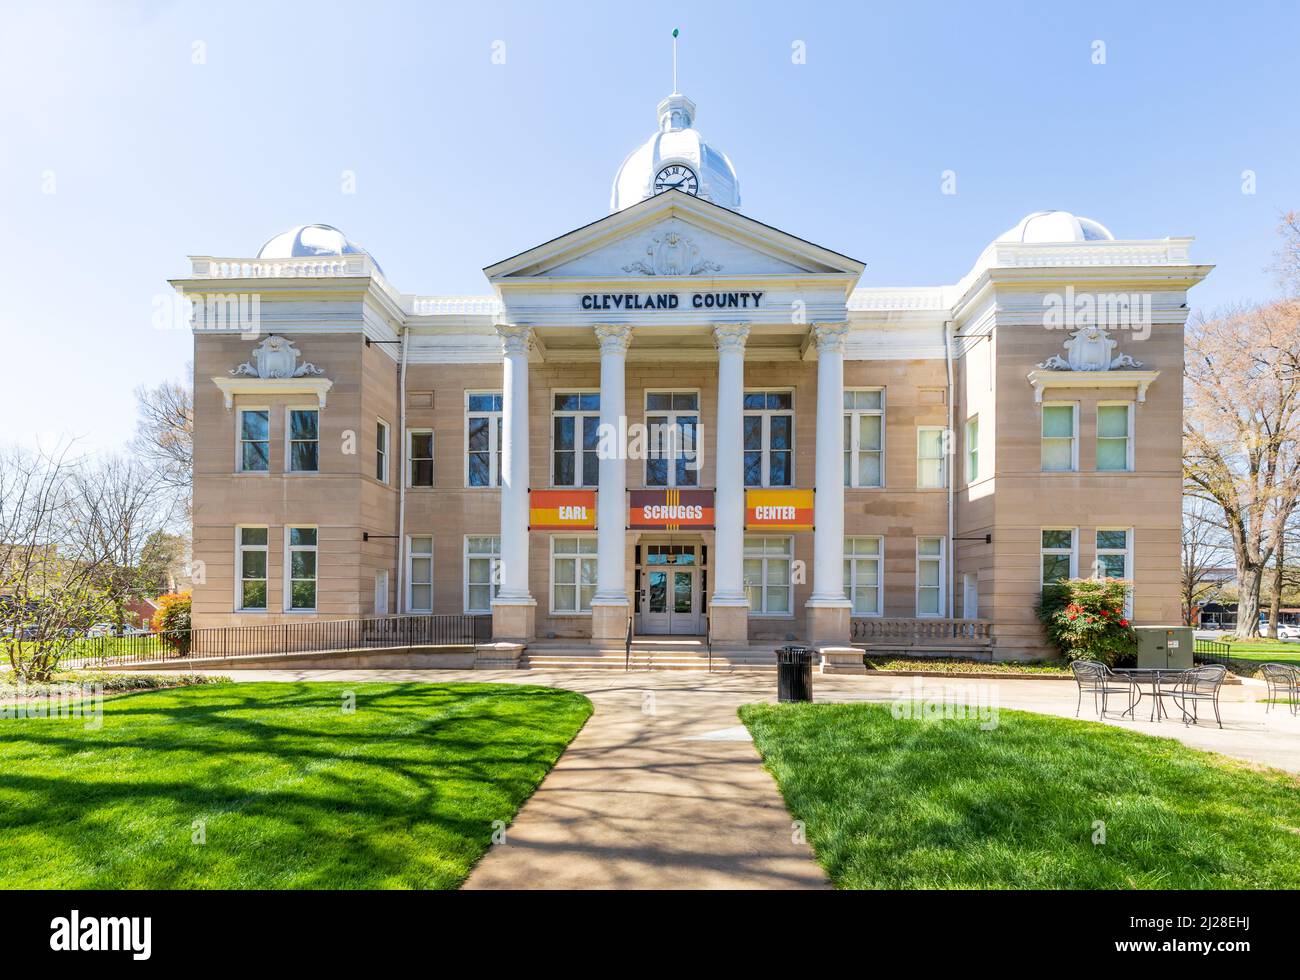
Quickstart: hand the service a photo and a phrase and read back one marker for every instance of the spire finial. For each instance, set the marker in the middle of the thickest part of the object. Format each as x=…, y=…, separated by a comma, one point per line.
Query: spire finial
x=675, y=92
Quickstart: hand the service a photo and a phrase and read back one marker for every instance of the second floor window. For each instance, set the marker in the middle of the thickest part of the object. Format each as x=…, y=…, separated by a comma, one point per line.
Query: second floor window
x=381, y=450
x=1114, y=437
x=973, y=449
x=483, y=439
x=930, y=460
x=420, y=454
x=304, y=440
x=864, y=437
x=769, y=438
x=575, y=439
x=673, y=453
x=1060, y=447
x=254, y=440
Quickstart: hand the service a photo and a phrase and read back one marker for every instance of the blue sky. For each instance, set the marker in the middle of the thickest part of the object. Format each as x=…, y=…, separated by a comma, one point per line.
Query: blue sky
x=459, y=162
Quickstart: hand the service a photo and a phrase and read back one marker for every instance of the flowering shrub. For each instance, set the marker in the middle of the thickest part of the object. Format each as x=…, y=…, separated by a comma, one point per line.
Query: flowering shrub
x=171, y=620
x=1084, y=619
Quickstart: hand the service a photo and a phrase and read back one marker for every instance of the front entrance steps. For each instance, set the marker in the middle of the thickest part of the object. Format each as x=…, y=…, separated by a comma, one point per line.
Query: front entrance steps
x=650, y=653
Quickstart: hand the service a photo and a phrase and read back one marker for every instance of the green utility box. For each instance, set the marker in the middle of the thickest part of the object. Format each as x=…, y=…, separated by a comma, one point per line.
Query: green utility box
x=1167, y=647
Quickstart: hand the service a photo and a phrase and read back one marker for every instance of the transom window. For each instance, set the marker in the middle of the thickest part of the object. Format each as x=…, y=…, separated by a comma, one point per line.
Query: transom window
x=575, y=439
x=929, y=576
x=1058, y=555
x=767, y=571
x=250, y=560
x=254, y=440
x=864, y=437
x=1060, y=438
x=862, y=574
x=573, y=573
x=419, y=573
x=769, y=438
x=672, y=454
x=301, y=568
x=931, y=461
x=482, y=572
x=304, y=440
x=419, y=453
x=670, y=554
x=483, y=438
x=1115, y=437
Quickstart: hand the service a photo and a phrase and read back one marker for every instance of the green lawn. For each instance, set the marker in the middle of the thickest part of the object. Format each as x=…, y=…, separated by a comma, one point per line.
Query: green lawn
x=291, y=790
x=909, y=804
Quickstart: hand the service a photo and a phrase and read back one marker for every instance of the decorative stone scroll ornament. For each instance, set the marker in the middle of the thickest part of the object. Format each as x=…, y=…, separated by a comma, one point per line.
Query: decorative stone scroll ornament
x=1089, y=349
x=730, y=337
x=613, y=338
x=276, y=357
x=673, y=254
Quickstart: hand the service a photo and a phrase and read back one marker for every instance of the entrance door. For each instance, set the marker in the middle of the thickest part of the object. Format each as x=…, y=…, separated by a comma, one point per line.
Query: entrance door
x=670, y=578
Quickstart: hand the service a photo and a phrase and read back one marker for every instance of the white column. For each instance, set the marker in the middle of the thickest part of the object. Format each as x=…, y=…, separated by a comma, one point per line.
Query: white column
x=517, y=341
x=729, y=537
x=828, y=500
x=611, y=502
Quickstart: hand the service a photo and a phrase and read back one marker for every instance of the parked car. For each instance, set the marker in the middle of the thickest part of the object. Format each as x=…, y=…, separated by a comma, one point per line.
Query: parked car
x=1289, y=633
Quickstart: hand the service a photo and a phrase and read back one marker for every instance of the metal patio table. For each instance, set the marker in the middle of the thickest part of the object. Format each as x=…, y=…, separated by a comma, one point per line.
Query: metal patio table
x=1154, y=677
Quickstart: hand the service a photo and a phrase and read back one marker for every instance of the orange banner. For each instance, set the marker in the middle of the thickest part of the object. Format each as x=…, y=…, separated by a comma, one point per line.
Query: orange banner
x=561, y=510
x=778, y=510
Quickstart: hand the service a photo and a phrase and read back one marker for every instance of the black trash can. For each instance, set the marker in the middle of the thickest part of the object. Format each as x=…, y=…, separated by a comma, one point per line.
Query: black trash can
x=794, y=674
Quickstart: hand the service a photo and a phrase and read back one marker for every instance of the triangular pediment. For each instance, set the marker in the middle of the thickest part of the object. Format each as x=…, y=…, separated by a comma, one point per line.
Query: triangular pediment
x=674, y=235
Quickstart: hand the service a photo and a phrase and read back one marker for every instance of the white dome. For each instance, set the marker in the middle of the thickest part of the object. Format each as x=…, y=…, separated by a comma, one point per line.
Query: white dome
x=309, y=240
x=676, y=142
x=1056, y=226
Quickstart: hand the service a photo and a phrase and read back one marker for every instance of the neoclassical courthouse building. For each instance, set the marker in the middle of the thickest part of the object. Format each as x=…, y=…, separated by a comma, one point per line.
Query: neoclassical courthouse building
x=683, y=416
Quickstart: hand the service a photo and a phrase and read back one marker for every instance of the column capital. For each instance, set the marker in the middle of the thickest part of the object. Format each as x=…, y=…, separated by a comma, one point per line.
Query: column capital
x=516, y=338
x=830, y=337
x=729, y=337
x=614, y=338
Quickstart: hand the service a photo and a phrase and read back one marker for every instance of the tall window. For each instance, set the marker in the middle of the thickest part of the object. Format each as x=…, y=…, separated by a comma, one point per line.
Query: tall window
x=972, y=449
x=419, y=573
x=1060, y=443
x=768, y=564
x=419, y=453
x=483, y=438
x=482, y=556
x=381, y=450
x=575, y=426
x=769, y=438
x=573, y=573
x=1115, y=437
x=931, y=464
x=1059, y=561
x=862, y=574
x=673, y=455
x=301, y=566
x=254, y=440
x=251, y=566
x=1115, y=559
x=304, y=440
x=929, y=576
x=864, y=437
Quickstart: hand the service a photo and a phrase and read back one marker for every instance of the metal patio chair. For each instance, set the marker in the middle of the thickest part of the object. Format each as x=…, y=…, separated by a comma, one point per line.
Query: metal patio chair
x=1098, y=680
x=1283, y=684
x=1197, y=685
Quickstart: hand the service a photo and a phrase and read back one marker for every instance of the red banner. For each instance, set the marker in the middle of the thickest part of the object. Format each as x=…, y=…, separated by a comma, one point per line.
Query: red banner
x=670, y=510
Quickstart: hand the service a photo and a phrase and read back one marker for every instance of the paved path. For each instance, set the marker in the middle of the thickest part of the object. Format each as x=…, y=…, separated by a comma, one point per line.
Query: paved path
x=663, y=788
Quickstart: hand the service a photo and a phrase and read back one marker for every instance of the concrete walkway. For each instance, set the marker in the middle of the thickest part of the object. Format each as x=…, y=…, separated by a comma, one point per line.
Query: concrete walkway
x=664, y=789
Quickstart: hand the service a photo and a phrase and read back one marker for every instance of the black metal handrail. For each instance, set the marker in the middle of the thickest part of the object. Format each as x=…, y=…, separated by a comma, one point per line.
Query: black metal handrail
x=307, y=636
x=708, y=639
x=627, y=646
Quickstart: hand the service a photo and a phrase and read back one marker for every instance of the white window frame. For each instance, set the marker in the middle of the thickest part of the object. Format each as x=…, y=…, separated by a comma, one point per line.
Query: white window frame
x=577, y=557
x=582, y=418
x=853, y=422
x=1044, y=551
x=942, y=559
x=289, y=549
x=411, y=556
x=762, y=555
x=494, y=576
x=671, y=414
x=240, y=440
x=1127, y=552
x=765, y=453
x=942, y=457
x=411, y=458
x=973, y=449
x=1128, y=438
x=384, y=454
x=240, y=549
x=1074, y=438
x=851, y=561
x=495, y=421
x=289, y=440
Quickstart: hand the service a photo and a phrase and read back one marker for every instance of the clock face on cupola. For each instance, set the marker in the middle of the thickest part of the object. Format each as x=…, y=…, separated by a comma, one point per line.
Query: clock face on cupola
x=675, y=176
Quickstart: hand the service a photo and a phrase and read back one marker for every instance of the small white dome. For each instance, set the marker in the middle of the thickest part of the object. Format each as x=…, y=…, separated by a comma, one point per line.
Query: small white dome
x=1056, y=226
x=309, y=240
x=677, y=142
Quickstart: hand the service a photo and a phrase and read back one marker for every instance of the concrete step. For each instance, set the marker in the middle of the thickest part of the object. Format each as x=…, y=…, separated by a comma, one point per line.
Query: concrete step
x=614, y=660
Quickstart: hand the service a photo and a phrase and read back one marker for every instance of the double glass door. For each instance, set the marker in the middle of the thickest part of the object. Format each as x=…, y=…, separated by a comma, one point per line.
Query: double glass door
x=670, y=601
